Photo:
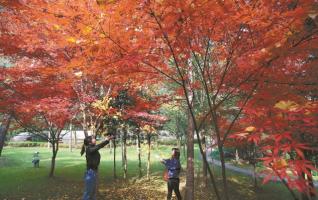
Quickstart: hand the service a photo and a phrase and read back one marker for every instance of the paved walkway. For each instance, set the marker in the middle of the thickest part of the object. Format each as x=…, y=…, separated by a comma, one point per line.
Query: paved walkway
x=247, y=172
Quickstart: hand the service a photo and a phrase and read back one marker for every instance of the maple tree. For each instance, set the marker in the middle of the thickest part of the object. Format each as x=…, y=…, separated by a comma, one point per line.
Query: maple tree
x=40, y=104
x=49, y=39
x=181, y=34
x=137, y=109
x=246, y=54
x=232, y=53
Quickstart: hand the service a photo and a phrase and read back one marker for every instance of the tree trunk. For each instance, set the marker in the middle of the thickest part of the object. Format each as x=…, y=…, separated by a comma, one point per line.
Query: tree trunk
x=55, y=148
x=84, y=124
x=225, y=188
x=237, y=157
x=254, y=166
x=148, y=159
x=205, y=170
x=254, y=175
x=3, y=131
x=189, y=192
x=114, y=169
x=179, y=142
x=75, y=139
x=184, y=147
x=122, y=148
x=139, y=154
x=71, y=138
x=49, y=139
x=125, y=153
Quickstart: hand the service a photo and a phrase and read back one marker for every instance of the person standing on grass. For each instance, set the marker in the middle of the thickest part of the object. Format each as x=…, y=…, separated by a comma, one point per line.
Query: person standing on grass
x=174, y=167
x=36, y=160
x=92, y=161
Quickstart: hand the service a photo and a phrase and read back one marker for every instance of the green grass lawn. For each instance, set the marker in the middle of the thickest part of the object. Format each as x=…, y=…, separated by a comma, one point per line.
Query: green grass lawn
x=18, y=179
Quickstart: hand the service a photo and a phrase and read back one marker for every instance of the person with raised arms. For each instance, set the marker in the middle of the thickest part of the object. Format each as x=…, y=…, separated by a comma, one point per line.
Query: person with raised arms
x=90, y=148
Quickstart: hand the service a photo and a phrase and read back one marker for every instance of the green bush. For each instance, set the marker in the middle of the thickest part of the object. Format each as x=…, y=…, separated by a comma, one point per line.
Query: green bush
x=36, y=144
x=25, y=144
x=167, y=142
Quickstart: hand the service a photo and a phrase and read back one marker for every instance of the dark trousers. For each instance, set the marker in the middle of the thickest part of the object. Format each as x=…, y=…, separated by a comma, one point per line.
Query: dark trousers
x=173, y=185
x=36, y=163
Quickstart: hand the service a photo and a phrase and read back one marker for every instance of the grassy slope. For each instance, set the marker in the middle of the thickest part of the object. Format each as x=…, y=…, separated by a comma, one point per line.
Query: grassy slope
x=18, y=179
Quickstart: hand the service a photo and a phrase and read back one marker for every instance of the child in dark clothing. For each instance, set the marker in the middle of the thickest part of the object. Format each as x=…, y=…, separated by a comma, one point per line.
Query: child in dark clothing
x=174, y=167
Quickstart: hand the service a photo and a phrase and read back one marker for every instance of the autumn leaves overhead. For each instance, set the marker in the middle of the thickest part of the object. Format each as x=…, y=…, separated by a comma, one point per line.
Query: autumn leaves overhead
x=262, y=55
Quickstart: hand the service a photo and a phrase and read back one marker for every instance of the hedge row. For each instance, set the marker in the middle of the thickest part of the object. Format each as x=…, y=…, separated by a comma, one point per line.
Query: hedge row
x=35, y=144
x=65, y=145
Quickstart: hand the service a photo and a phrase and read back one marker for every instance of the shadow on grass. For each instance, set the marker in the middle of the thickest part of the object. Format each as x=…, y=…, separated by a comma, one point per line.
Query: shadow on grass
x=19, y=180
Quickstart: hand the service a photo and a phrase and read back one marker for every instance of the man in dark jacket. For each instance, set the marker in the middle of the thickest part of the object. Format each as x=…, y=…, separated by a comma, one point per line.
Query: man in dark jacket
x=92, y=163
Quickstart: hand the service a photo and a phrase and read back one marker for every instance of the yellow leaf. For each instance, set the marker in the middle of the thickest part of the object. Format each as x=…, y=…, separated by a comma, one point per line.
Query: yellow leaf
x=56, y=27
x=102, y=35
x=286, y=105
x=250, y=129
x=102, y=104
x=71, y=40
x=281, y=163
x=148, y=129
x=289, y=33
x=87, y=30
x=103, y=2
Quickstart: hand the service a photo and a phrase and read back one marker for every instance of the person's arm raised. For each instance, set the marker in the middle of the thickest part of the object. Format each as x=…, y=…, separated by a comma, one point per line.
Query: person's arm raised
x=101, y=145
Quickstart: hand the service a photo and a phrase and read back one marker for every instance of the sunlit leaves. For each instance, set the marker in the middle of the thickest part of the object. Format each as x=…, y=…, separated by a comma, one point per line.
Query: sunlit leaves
x=250, y=129
x=148, y=129
x=71, y=40
x=103, y=105
x=286, y=105
x=56, y=27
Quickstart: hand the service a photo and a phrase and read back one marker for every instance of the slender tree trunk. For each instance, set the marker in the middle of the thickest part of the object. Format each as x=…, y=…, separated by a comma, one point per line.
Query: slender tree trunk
x=254, y=166
x=71, y=138
x=148, y=159
x=3, y=131
x=237, y=158
x=222, y=159
x=139, y=154
x=204, y=168
x=122, y=149
x=184, y=147
x=110, y=147
x=254, y=175
x=125, y=153
x=48, y=139
x=179, y=141
x=75, y=139
x=55, y=148
x=84, y=124
x=195, y=127
x=189, y=193
x=114, y=168
x=220, y=148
